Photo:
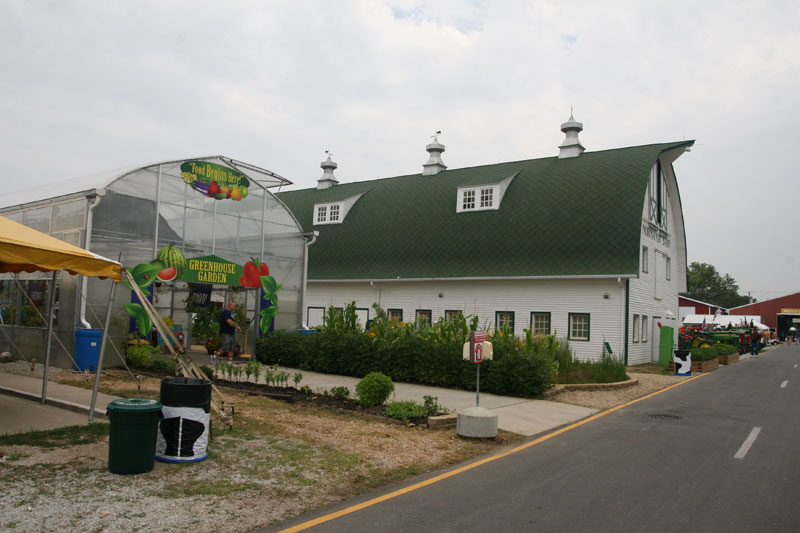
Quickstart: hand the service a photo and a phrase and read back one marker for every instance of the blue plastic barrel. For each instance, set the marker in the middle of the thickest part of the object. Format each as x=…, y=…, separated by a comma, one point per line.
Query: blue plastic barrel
x=87, y=348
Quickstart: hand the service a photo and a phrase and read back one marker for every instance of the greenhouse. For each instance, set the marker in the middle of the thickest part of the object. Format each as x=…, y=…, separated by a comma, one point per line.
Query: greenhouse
x=194, y=233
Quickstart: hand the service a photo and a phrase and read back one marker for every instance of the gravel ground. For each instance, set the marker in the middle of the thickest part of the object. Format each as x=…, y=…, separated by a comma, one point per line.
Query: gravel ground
x=606, y=399
x=279, y=461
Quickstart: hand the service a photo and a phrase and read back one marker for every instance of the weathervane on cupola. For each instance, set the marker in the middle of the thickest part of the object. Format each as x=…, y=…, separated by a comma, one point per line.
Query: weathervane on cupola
x=434, y=164
x=327, y=180
x=571, y=147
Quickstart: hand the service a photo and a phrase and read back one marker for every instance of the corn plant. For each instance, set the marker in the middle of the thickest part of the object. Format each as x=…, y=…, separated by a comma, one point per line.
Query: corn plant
x=341, y=320
x=298, y=377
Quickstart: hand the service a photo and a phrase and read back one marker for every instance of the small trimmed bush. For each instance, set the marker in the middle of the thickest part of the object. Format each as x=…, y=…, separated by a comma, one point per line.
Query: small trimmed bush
x=140, y=356
x=725, y=349
x=163, y=367
x=704, y=354
x=374, y=389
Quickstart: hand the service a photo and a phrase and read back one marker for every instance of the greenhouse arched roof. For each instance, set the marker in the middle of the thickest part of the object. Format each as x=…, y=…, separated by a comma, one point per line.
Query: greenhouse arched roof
x=97, y=182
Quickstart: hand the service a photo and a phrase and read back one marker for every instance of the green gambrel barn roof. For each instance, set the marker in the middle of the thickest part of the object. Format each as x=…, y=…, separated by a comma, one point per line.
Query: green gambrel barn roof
x=579, y=216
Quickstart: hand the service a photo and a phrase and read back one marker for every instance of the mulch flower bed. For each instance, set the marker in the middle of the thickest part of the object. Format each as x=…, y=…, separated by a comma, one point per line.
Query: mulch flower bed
x=305, y=397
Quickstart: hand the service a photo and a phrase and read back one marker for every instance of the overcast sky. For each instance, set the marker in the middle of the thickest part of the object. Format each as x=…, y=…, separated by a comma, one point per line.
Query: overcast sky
x=91, y=86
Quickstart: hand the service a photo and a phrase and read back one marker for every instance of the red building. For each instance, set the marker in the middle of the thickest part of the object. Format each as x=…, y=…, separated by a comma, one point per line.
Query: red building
x=696, y=307
x=779, y=313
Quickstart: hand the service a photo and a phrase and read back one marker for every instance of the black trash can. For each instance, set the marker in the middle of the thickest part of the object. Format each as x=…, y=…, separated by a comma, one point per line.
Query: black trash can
x=682, y=361
x=183, y=432
x=132, y=435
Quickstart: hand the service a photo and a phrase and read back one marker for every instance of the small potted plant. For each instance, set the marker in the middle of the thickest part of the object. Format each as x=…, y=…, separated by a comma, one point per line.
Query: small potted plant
x=212, y=345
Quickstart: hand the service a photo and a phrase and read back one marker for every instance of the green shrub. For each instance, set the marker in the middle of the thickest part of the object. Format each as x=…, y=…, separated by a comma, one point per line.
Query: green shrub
x=346, y=353
x=164, y=367
x=206, y=322
x=519, y=373
x=340, y=393
x=704, y=354
x=208, y=371
x=421, y=354
x=556, y=349
x=140, y=356
x=725, y=349
x=432, y=406
x=286, y=348
x=610, y=371
x=374, y=389
x=405, y=410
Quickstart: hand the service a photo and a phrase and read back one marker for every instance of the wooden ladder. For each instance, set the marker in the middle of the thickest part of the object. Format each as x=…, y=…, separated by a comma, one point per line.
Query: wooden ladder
x=183, y=362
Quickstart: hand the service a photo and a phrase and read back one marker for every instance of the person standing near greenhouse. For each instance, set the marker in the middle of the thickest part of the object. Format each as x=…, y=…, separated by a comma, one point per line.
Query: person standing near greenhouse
x=227, y=329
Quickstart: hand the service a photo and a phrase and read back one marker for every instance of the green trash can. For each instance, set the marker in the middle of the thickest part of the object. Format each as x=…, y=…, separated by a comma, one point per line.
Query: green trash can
x=132, y=435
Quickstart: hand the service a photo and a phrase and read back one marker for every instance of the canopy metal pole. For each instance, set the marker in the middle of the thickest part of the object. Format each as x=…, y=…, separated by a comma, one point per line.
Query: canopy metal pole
x=49, y=336
x=102, y=349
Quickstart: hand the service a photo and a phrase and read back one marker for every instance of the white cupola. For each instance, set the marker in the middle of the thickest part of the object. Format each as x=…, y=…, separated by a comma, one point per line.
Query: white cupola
x=571, y=147
x=434, y=164
x=327, y=180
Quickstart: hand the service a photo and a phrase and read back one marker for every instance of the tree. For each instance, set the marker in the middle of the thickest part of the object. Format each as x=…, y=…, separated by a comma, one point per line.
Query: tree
x=707, y=285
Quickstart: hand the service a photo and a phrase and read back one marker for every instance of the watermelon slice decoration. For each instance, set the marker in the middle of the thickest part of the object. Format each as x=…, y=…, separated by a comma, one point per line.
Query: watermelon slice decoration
x=174, y=263
x=168, y=274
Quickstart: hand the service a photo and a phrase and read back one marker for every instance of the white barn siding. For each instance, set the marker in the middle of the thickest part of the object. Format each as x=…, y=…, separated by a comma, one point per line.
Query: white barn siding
x=652, y=295
x=559, y=297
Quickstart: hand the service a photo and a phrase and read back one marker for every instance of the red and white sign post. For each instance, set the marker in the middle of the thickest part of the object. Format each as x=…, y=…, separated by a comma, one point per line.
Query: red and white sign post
x=476, y=340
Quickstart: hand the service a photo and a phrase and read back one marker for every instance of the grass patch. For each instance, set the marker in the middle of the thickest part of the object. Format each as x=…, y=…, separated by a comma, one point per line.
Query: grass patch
x=221, y=487
x=650, y=368
x=60, y=437
x=607, y=370
x=377, y=477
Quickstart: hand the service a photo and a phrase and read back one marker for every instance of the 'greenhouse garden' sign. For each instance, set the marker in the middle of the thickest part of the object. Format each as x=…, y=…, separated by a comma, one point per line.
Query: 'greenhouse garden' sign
x=170, y=265
x=212, y=269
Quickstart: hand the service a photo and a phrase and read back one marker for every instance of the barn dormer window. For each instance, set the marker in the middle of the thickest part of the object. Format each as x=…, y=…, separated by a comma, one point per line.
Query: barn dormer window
x=657, y=197
x=482, y=197
x=326, y=213
x=478, y=198
x=334, y=212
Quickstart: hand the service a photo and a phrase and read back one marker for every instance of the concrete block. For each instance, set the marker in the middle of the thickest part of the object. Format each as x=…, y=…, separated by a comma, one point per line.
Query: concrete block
x=442, y=421
x=477, y=422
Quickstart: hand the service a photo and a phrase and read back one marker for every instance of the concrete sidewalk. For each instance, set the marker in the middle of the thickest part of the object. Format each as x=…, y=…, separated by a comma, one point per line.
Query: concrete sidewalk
x=519, y=415
x=21, y=407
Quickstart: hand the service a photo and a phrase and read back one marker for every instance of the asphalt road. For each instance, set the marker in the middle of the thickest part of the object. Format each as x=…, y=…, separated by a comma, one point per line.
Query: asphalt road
x=718, y=453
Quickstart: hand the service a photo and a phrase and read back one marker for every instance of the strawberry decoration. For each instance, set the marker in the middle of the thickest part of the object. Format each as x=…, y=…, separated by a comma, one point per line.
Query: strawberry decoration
x=252, y=272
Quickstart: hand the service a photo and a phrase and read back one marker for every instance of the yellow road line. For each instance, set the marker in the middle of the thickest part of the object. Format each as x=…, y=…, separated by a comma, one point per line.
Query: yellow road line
x=451, y=473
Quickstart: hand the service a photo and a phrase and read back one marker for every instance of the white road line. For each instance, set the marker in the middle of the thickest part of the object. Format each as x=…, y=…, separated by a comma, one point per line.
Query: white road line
x=783, y=385
x=751, y=438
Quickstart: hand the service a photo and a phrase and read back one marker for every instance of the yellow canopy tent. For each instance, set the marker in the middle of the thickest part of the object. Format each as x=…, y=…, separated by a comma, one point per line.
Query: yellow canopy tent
x=23, y=249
